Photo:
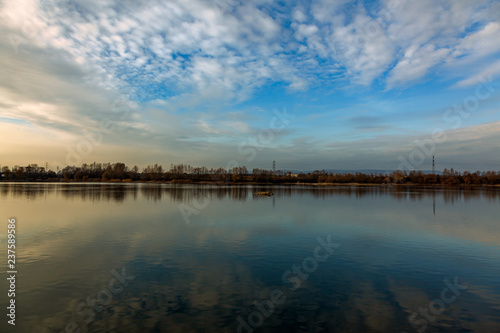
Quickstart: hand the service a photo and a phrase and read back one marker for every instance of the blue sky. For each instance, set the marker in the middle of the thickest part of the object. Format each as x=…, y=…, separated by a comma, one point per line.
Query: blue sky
x=363, y=84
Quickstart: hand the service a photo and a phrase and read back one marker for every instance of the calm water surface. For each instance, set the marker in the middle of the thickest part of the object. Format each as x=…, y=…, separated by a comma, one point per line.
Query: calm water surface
x=165, y=258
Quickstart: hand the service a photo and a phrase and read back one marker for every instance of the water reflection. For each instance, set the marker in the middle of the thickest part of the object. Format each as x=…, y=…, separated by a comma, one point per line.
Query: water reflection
x=155, y=192
x=398, y=244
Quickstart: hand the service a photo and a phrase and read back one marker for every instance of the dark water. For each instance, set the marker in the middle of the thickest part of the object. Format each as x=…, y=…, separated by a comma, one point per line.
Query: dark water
x=163, y=258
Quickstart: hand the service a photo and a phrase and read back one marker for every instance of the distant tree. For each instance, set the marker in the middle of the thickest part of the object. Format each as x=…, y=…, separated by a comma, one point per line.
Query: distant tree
x=134, y=173
x=19, y=173
x=7, y=173
x=106, y=175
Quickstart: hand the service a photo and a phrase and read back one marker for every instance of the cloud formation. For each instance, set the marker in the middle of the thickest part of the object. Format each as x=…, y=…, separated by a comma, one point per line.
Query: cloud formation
x=198, y=68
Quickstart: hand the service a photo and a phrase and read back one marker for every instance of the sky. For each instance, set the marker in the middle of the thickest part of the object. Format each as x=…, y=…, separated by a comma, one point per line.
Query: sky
x=316, y=84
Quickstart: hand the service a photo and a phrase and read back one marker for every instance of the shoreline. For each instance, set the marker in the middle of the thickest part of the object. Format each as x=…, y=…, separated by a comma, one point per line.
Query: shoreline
x=250, y=183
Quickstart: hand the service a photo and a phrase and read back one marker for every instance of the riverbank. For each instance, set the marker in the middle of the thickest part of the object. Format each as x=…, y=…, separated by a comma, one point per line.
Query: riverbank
x=190, y=182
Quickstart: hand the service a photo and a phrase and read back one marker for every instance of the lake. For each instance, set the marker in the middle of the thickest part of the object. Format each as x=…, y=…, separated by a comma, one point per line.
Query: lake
x=110, y=257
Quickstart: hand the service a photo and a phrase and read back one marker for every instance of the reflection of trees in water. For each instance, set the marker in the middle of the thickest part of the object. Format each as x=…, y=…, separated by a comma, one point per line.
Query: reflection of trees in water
x=152, y=192
x=84, y=192
x=116, y=193
x=182, y=193
x=26, y=190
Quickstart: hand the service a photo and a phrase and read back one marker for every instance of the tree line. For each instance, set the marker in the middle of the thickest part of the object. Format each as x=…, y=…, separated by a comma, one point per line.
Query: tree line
x=182, y=173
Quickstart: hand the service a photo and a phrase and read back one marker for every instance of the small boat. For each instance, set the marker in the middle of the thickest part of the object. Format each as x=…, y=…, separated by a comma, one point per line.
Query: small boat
x=264, y=194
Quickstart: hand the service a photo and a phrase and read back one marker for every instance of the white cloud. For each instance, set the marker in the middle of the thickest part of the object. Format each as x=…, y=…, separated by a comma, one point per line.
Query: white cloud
x=436, y=34
x=485, y=75
x=363, y=48
x=476, y=56
x=326, y=11
x=136, y=42
x=481, y=43
x=119, y=43
x=298, y=15
x=305, y=31
x=415, y=64
x=194, y=55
